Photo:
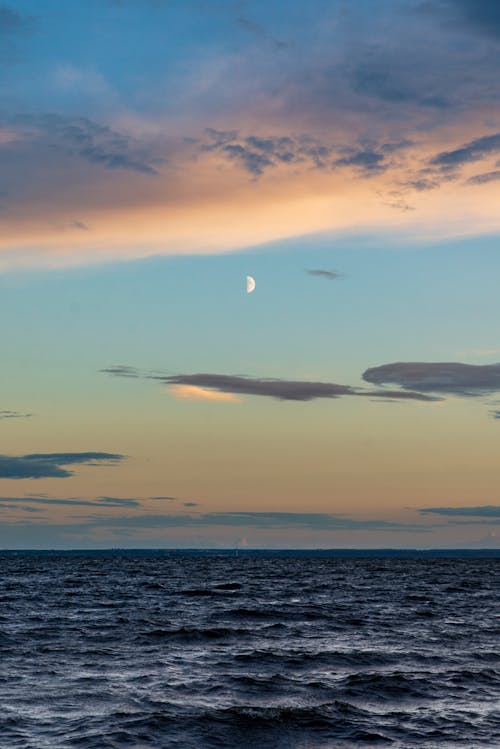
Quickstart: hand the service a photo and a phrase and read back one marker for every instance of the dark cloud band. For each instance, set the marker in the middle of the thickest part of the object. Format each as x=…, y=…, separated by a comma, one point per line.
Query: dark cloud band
x=438, y=377
x=100, y=502
x=473, y=151
x=288, y=390
x=484, y=511
x=51, y=465
x=263, y=520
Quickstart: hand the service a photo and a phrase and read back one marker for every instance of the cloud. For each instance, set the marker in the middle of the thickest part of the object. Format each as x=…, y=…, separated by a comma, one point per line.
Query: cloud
x=6, y=506
x=118, y=502
x=96, y=143
x=484, y=511
x=422, y=184
x=400, y=75
x=13, y=415
x=295, y=390
x=369, y=161
x=258, y=153
x=194, y=392
x=289, y=390
x=310, y=520
x=133, y=501
x=91, y=458
x=483, y=179
x=396, y=199
x=180, y=530
x=166, y=499
x=495, y=415
x=331, y=275
x=281, y=389
x=120, y=370
x=49, y=465
x=474, y=150
x=102, y=502
x=263, y=520
x=439, y=377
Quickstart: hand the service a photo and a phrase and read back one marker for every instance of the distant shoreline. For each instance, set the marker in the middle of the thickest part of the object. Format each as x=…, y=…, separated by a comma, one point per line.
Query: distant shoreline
x=324, y=553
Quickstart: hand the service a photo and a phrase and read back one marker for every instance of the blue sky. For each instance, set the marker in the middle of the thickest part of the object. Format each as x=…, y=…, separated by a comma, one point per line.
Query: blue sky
x=155, y=153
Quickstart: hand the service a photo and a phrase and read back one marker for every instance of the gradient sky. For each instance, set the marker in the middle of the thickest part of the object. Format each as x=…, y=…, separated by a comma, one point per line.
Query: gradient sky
x=347, y=156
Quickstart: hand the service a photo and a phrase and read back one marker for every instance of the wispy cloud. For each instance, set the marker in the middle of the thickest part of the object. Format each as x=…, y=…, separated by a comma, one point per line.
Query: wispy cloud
x=367, y=161
x=133, y=501
x=121, y=370
x=281, y=389
x=474, y=150
x=485, y=178
x=438, y=377
x=288, y=390
x=50, y=465
x=96, y=143
x=331, y=275
x=359, y=106
x=118, y=502
x=14, y=415
x=257, y=153
x=102, y=502
x=166, y=499
x=20, y=507
x=484, y=511
x=263, y=520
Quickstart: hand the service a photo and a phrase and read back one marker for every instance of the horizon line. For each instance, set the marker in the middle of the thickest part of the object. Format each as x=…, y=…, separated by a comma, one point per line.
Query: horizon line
x=249, y=550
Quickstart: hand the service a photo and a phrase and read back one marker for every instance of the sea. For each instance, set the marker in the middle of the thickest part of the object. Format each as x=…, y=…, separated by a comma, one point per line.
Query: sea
x=249, y=650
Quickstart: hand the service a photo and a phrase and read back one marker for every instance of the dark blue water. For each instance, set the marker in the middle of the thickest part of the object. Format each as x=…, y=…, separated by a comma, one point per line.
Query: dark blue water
x=256, y=651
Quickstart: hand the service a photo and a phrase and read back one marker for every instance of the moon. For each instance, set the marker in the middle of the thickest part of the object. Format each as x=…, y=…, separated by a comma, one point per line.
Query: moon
x=250, y=284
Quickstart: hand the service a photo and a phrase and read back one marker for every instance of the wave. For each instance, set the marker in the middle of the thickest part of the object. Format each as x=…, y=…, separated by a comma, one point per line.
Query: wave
x=194, y=633
x=201, y=652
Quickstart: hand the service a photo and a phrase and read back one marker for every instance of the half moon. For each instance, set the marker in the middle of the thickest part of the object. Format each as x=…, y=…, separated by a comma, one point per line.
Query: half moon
x=250, y=284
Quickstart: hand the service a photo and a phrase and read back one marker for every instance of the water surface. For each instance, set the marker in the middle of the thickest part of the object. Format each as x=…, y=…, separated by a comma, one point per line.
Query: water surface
x=248, y=651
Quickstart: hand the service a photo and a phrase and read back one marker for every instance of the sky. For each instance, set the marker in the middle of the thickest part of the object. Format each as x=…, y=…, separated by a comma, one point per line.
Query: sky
x=346, y=155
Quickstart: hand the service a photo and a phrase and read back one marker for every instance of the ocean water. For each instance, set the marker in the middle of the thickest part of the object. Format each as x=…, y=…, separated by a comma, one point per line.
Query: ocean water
x=250, y=650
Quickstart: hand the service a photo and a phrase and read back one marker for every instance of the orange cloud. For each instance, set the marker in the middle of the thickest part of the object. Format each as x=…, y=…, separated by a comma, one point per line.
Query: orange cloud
x=193, y=392
x=214, y=205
